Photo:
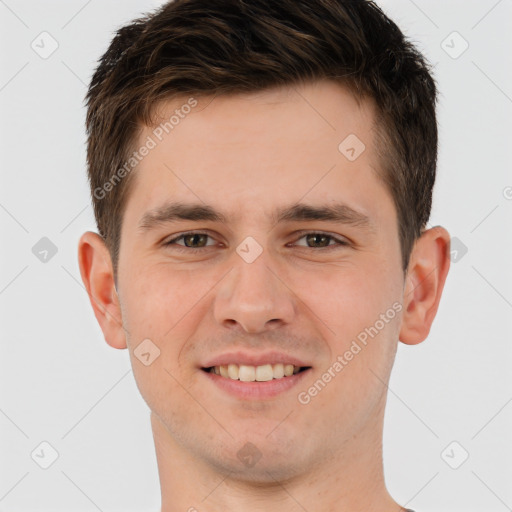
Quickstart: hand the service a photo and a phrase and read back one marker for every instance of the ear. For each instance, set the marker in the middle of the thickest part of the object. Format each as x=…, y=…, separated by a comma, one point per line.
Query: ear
x=424, y=283
x=98, y=278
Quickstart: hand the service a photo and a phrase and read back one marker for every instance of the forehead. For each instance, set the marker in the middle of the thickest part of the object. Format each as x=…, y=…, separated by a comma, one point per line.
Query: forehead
x=308, y=112
x=246, y=150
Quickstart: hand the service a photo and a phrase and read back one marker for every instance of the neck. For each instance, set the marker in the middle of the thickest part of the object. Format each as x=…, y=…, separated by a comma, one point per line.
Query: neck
x=349, y=480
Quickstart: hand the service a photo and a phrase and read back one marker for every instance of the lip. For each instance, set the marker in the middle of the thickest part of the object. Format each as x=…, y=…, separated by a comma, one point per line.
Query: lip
x=255, y=390
x=255, y=359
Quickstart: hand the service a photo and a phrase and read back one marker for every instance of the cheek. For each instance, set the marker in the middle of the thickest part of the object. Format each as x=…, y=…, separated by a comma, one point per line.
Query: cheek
x=349, y=298
x=357, y=305
x=167, y=305
x=161, y=306
x=359, y=309
x=158, y=297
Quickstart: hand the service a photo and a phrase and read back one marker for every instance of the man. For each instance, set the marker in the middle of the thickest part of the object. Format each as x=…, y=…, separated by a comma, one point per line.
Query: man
x=262, y=176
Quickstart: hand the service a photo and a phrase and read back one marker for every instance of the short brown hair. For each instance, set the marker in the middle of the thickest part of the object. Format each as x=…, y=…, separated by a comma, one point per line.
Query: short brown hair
x=214, y=47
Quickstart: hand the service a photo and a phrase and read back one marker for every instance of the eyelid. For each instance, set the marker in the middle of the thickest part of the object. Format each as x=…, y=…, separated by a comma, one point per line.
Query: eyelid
x=340, y=238
x=178, y=236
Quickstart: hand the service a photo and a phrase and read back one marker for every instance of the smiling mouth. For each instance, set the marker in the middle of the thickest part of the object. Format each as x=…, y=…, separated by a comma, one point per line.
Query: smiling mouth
x=262, y=373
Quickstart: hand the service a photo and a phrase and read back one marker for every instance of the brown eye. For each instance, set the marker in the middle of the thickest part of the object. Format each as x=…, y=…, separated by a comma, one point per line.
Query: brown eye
x=195, y=238
x=318, y=238
x=190, y=242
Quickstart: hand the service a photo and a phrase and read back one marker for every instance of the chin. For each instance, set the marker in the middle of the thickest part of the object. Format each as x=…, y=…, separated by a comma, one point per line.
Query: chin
x=262, y=462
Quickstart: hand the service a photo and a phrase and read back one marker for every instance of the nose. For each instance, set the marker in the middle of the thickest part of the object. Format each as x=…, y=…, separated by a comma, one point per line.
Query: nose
x=254, y=297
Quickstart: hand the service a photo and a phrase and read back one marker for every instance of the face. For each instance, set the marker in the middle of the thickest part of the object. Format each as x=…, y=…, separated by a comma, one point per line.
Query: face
x=294, y=255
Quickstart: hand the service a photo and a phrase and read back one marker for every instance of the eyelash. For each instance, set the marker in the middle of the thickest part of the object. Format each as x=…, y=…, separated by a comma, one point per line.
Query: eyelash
x=340, y=242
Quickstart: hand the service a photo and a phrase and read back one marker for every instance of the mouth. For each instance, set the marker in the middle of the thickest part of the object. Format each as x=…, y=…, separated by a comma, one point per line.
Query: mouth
x=262, y=382
x=260, y=373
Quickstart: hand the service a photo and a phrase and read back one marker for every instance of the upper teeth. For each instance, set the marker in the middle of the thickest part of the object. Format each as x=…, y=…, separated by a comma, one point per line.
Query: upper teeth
x=261, y=373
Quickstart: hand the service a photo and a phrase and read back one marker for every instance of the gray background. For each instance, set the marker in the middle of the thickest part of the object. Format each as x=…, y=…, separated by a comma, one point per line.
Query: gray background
x=63, y=385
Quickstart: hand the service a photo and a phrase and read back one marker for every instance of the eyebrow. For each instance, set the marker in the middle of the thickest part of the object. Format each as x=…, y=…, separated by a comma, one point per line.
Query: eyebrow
x=177, y=211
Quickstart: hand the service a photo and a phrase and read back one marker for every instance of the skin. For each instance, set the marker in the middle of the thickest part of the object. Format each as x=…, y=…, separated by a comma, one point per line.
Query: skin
x=246, y=155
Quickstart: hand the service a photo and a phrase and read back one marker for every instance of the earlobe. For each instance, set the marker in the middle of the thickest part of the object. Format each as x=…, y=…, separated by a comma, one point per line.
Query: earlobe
x=426, y=276
x=97, y=275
